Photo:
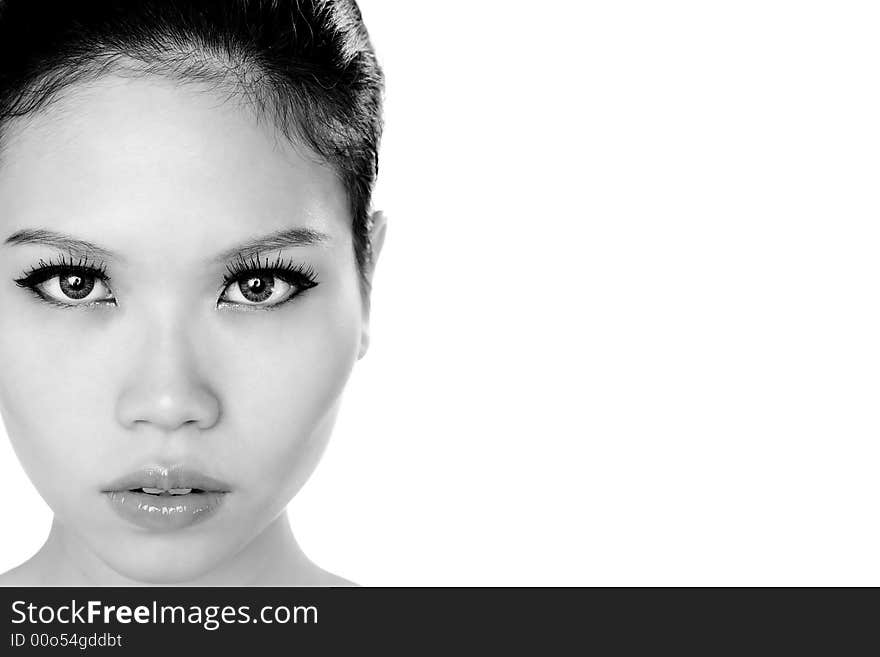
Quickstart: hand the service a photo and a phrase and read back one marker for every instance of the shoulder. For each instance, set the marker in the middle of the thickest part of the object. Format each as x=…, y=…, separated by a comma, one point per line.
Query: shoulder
x=329, y=579
x=311, y=575
x=322, y=578
x=23, y=575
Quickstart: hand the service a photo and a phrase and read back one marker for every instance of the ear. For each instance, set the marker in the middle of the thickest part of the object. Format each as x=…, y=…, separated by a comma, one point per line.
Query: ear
x=377, y=240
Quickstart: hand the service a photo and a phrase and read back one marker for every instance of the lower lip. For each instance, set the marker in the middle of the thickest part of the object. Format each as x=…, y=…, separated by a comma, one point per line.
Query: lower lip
x=165, y=512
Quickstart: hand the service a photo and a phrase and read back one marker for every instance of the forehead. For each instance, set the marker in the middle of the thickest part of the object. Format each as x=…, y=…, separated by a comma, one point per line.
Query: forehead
x=145, y=161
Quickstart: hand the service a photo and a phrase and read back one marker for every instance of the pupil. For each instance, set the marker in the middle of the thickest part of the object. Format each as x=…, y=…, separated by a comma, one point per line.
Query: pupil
x=257, y=288
x=75, y=286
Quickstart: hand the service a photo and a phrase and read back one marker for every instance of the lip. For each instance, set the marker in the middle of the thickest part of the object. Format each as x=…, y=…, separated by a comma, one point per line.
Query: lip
x=179, y=497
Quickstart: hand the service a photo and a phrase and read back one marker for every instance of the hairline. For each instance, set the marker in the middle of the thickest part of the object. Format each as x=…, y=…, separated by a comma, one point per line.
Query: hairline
x=205, y=71
x=90, y=71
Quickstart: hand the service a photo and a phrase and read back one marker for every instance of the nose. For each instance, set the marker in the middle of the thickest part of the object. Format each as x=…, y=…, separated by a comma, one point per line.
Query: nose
x=166, y=388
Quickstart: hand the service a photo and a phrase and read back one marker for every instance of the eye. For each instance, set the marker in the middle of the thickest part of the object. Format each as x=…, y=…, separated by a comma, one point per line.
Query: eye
x=258, y=289
x=265, y=286
x=68, y=284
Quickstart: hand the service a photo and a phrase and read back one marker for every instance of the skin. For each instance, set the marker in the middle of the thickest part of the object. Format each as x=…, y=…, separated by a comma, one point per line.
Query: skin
x=167, y=176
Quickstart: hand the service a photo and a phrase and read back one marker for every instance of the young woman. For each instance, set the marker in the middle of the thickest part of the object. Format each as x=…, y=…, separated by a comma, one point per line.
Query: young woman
x=186, y=250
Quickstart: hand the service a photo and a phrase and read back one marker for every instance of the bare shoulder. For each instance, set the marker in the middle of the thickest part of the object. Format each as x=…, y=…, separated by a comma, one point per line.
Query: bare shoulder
x=314, y=575
x=23, y=575
x=329, y=579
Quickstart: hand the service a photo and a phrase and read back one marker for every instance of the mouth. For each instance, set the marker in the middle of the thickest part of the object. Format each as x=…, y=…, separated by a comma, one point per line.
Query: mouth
x=166, y=498
x=172, y=492
x=173, y=480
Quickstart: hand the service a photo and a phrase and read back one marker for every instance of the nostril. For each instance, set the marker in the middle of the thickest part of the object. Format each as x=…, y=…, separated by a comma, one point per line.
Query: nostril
x=183, y=404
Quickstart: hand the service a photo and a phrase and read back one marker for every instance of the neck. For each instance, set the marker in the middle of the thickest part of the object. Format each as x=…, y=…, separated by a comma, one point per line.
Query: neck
x=273, y=558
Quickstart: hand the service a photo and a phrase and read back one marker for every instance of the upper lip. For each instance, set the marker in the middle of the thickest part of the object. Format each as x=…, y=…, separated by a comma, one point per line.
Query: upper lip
x=166, y=478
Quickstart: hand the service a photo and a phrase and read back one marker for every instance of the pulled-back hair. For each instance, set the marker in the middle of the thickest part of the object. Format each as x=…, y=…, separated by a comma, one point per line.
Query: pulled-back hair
x=306, y=65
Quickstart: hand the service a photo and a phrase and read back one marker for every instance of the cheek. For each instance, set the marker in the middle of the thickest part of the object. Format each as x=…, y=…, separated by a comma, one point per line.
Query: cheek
x=278, y=376
x=282, y=394
x=51, y=399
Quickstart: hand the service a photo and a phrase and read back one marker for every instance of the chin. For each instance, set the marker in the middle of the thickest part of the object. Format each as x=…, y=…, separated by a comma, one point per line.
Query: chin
x=162, y=560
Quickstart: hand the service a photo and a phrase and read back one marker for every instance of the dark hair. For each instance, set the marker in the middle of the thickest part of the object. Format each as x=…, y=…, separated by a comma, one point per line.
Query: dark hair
x=307, y=65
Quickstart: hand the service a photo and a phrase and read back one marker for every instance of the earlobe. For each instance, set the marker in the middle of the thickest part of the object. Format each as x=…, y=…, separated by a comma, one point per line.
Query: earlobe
x=377, y=241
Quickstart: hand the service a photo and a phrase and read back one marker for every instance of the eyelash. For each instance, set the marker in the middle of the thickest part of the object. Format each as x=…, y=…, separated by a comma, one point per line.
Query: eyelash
x=295, y=275
x=45, y=271
x=301, y=276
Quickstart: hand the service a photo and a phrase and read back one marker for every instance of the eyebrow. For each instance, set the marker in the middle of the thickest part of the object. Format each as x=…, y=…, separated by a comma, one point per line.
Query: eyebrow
x=60, y=241
x=279, y=239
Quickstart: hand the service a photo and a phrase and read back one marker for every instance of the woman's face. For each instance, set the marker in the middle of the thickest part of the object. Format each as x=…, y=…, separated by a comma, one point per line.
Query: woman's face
x=126, y=384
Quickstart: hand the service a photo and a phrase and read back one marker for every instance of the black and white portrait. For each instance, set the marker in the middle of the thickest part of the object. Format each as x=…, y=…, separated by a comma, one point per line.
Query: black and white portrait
x=323, y=293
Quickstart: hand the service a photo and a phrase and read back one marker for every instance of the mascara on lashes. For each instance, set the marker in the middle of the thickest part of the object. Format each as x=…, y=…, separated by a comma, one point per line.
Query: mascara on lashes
x=299, y=277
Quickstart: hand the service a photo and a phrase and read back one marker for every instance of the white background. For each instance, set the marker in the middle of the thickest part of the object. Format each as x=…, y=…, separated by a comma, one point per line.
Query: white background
x=625, y=327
